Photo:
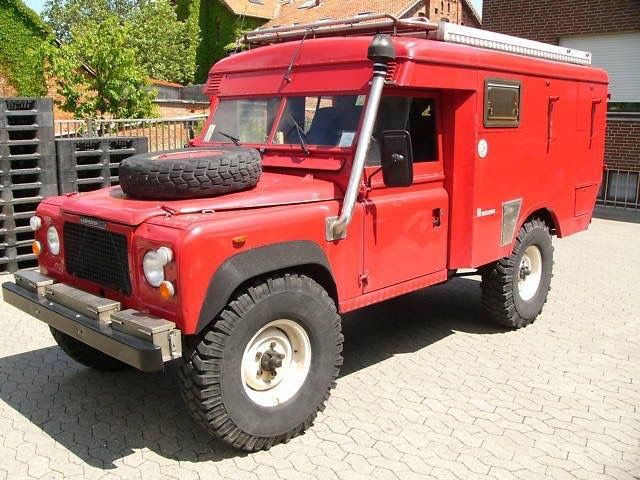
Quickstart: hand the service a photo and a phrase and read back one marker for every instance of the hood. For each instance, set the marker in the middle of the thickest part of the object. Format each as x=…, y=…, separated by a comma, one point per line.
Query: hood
x=273, y=189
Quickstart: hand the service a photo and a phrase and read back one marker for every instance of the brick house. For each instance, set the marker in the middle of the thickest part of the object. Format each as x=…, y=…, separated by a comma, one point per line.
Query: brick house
x=610, y=30
x=304, y=11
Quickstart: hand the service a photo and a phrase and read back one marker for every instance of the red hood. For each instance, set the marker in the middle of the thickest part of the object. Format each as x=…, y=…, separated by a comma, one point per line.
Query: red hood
x=274, y=189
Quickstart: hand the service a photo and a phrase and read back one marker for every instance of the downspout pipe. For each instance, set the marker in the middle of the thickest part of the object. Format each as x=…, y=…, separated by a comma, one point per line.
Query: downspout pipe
x=381, y=52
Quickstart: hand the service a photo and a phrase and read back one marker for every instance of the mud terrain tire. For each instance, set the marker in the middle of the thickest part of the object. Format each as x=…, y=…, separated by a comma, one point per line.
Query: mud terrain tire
x=190, y=173
x=218, y=393
x=86, y=355
x=505, y=295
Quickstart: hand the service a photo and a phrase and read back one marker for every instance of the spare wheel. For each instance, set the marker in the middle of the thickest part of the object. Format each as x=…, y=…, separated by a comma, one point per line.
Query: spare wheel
x=190, y=172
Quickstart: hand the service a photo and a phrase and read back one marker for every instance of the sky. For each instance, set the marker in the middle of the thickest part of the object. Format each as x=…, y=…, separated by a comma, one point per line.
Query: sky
x=37, y=5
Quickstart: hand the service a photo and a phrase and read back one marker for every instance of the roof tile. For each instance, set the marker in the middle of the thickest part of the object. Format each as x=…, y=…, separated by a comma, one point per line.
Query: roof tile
x=291, y=13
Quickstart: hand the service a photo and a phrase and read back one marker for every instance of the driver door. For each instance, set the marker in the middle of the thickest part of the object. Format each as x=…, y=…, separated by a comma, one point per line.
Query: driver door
x=405, y=228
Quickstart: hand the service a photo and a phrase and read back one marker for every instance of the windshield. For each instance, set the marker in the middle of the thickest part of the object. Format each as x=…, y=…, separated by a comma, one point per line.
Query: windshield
x=330, y=121
x=321, y=121
x=243, y=121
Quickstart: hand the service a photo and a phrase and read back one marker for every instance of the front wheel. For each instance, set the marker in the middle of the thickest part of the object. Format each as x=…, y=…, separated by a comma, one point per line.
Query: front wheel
x=259, y=374
x=515, y=288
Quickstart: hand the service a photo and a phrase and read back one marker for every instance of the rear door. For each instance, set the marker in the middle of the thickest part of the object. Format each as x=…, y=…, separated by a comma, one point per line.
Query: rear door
x=405, y=233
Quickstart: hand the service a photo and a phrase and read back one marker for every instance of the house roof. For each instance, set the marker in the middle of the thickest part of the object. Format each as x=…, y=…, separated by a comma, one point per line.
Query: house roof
x=253, y=8
x=292, y=13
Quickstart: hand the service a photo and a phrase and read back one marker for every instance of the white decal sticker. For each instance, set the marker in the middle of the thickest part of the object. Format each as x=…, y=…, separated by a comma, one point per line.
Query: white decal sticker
x=346, y=139
x=210, y=130
x=485, y=213
x=483, y=148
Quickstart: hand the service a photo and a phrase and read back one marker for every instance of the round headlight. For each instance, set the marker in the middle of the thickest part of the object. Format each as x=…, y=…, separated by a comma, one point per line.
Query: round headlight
x=153, y=265
x=53, y=240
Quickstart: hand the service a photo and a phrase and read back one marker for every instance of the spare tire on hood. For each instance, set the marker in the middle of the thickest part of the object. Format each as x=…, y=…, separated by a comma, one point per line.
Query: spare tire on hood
x=190, y=172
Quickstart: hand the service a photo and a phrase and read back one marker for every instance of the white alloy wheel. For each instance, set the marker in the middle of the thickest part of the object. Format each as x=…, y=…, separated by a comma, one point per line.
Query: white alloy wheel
x=276, y=362
x=530, y=272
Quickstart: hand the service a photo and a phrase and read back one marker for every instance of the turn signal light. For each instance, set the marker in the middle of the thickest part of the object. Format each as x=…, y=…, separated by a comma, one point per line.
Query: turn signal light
x=36, y=248
x=167, y=290
x=238, y=242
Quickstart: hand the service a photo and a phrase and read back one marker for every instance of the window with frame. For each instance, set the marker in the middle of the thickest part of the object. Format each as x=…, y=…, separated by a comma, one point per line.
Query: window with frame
x=415, y=115
x=502, y=103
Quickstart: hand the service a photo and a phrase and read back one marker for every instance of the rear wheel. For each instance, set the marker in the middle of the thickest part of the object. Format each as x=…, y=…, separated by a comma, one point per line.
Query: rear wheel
x=86, y=355
x=261, y=372
x=515, y=288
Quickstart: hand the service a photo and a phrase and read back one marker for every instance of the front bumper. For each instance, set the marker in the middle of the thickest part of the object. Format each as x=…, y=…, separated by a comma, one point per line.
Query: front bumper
x=137, y=339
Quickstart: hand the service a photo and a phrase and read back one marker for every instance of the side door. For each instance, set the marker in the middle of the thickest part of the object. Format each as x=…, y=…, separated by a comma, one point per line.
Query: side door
x=405, y=231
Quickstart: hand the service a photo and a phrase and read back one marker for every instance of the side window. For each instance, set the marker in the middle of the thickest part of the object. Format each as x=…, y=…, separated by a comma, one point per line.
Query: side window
x=501, y=103
x=415, y=115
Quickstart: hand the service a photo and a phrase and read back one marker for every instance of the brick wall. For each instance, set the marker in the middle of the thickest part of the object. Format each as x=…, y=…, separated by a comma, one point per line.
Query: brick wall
x=6, y=90
x=449, y=9
x=623, y=144
x=468, y=18
x=548, y=20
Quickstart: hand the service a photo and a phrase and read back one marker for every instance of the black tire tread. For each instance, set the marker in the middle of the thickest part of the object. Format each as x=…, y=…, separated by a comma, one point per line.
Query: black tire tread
x=145, y=176
x=86, y=355
x=497, y=281
x=199, y=376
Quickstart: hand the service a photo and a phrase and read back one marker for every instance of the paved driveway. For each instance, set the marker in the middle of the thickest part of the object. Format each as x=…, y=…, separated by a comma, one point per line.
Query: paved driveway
x=428, y=390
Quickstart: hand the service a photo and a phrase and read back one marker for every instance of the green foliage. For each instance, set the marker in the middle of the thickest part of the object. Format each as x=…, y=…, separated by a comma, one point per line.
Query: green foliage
x=219, y=30
x=165, y=46
x=65, y=15
x=119, y=86
x=22, y=34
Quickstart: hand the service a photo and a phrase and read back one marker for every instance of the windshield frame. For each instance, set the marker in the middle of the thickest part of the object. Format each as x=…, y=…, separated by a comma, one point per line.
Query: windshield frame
x=278, y=147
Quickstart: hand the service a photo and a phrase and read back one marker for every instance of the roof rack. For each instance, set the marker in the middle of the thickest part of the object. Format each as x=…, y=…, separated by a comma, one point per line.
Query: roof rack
x=361, y=24
x=418, y=27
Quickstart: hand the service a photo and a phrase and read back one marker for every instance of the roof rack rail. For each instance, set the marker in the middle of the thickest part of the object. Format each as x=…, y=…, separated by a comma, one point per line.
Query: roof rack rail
x=419, y=27
x=370, y=23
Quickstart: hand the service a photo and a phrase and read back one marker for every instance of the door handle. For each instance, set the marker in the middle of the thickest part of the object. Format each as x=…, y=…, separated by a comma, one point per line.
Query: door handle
x=436, y=216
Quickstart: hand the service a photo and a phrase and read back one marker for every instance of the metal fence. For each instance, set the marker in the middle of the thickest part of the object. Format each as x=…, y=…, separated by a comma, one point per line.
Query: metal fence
x=620, y=188
x=163, y=133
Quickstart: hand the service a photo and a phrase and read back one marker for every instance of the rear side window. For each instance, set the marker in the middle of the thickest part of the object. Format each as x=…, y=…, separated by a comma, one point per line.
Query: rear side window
x=502, y=103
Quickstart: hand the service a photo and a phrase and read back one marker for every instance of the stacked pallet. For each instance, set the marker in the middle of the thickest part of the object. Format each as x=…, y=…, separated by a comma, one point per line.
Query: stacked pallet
x=27, y=174
x=86, y=164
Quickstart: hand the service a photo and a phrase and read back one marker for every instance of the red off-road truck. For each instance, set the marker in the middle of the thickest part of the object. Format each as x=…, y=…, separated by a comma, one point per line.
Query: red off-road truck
x=342, y=164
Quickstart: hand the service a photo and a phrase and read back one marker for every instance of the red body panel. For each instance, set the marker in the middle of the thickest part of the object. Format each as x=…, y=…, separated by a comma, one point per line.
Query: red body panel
x=400, y=239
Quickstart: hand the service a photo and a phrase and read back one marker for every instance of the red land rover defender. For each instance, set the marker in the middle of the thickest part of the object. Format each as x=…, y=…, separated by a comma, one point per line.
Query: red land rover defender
x=342, y=164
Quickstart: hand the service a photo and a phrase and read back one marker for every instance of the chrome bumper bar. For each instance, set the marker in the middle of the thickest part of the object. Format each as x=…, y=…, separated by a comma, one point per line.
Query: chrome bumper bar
x=137, y=339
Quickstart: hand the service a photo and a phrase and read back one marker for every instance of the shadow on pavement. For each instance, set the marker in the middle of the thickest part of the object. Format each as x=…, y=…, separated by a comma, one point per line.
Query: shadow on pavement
x=103, y=417
x=618, y=214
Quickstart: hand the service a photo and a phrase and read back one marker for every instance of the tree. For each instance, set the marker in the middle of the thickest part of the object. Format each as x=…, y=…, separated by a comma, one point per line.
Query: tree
x=65, y=15
x=166, y=47
x=113, y=84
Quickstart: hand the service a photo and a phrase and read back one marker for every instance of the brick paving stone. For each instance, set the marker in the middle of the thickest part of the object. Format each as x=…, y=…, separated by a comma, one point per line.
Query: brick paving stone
x=429, y=390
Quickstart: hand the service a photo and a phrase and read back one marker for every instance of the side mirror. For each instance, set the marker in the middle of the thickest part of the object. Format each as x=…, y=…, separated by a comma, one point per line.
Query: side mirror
x=397, y=158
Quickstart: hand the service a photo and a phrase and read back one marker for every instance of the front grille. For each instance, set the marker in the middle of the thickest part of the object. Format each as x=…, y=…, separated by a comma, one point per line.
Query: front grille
x=97, y=255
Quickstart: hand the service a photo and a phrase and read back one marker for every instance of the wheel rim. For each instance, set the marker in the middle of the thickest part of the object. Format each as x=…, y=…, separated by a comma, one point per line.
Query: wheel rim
x=276, y=362
x=530, y=272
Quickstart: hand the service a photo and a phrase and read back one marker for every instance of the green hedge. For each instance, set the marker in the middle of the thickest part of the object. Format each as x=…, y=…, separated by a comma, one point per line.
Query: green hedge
x=219, y=27
x=22, y=35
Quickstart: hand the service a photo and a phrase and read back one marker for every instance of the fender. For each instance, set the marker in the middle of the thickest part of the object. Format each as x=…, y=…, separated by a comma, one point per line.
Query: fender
x=247, y=265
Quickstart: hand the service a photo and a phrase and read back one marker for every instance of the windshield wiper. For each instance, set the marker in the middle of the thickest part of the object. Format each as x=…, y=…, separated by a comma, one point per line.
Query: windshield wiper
x=300, y=134
x=235, y=140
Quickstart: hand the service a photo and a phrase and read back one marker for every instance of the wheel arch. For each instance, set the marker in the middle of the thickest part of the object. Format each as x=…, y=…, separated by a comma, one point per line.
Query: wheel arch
x=549, y=217
x=303, y=256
